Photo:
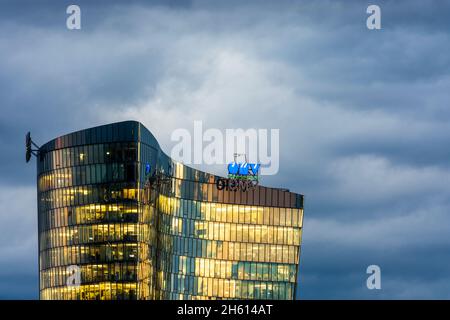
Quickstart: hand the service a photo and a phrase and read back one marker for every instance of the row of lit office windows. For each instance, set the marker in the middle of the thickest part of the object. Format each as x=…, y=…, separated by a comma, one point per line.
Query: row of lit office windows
x=61, y=276
x=225, y=288
x=218, y=289
x=100, y=291
x=239, y=270
x=229, y=231
x=88, y=174
x=231, y=213
x=92, y=214
x=82, y=254
x=228, y=250
x=89, y=209
x=85, y=234
x=89, y=154
x=110, y=252
x=88, y=194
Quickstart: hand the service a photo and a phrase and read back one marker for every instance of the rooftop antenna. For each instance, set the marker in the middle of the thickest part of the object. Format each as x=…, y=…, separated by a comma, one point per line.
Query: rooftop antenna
x=240, y=155
x=28, y=145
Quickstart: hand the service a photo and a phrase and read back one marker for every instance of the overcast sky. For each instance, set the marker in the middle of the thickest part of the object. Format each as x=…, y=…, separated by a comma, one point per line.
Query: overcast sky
x=364, y=118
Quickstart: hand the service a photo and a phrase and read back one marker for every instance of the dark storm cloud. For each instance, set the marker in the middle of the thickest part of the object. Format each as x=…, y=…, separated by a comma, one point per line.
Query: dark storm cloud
x=363, y=117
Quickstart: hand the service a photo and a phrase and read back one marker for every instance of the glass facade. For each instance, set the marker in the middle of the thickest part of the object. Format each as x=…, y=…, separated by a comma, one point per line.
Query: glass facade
x=133, y=238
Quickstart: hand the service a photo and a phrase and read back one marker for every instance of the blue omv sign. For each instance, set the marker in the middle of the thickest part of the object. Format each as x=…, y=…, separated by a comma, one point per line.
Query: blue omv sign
x=241, y=177
x=243, y=169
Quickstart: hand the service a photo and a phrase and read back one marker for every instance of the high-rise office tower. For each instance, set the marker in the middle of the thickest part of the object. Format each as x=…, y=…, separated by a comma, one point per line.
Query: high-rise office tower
x=119, y=219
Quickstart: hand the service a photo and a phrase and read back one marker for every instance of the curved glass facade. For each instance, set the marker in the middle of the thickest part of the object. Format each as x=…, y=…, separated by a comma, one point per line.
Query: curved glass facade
x=129, y=236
